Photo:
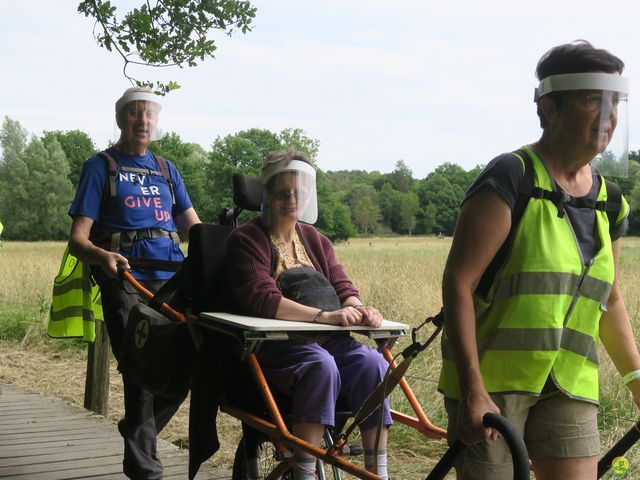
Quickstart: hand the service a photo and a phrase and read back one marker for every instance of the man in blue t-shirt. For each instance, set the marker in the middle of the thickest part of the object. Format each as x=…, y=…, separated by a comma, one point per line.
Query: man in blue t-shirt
x=134, y=210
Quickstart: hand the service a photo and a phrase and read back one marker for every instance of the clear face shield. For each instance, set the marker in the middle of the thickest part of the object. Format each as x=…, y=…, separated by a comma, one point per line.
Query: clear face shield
x=137, y=118
x=289, y=193
x=604, y=95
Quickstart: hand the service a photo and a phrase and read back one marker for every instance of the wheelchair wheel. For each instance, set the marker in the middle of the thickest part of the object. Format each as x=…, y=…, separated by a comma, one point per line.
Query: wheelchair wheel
x=261, y=454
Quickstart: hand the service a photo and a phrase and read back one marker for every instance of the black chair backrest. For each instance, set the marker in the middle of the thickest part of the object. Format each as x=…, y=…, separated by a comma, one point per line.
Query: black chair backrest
x=247, y=195
x=207, y=252
x=247, y=192
x=208, y=248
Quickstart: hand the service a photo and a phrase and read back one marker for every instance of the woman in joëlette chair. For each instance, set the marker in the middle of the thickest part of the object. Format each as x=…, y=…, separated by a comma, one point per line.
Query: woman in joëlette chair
x=282, y=267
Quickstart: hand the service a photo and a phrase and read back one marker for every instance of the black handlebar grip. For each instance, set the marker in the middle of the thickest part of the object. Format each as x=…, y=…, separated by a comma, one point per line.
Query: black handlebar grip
x=513, y=438
x=619, y=449
x=121, y=269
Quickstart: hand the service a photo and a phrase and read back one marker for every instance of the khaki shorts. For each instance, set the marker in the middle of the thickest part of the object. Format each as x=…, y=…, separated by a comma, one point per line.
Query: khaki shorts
x=554, y=426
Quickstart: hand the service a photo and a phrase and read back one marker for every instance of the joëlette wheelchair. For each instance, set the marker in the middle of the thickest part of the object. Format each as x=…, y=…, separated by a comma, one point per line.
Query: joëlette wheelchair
x=265, y=450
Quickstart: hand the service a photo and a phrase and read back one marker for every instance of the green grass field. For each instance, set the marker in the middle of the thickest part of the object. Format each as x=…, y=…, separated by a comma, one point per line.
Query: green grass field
x=400, y=276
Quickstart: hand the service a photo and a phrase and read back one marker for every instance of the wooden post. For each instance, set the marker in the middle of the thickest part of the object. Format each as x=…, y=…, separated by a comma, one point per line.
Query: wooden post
x=96, y=387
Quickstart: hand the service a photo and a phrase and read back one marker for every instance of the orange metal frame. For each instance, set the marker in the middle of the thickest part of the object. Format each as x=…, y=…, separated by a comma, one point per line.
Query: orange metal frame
x=278, y=432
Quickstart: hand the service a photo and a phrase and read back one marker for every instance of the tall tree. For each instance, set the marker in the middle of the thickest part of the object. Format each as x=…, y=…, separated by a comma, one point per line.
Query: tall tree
x=244, y=152
x=389, y=206
x=13, y=174
x=241, y=152
x=343, y=180
x=49, y=167
x=333, y=217
x=444, y=188
x=192, y=162
x=77, y=147
x=426, y=219
x=166, y=32
x=366, y=215
x=35, y=189
x=13, y=140
x=297, y=139
x=401, y=178
x=364, y=204
x=409, y=208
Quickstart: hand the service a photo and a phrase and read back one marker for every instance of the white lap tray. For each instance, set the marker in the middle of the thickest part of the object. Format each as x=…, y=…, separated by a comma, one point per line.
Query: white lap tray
x=271, y=329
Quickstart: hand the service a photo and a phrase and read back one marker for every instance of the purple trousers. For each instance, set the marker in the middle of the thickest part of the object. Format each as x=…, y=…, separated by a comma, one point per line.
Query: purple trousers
x=314, y=375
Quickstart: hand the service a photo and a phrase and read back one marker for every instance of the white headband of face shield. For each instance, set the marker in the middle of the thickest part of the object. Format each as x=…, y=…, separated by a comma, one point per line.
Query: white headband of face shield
x=582, y=81
x=290, y=166
x=133, y=96
x=306, y=180
x=611, y=102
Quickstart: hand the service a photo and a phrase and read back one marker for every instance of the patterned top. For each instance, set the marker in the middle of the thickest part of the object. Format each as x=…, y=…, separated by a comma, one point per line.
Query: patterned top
x=285, y=260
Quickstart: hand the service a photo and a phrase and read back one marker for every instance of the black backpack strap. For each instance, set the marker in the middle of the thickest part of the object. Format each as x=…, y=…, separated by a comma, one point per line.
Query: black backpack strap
x=112, y=171
x=524, y=195
x=525, y=190
x=164, y=168
x=613, y=205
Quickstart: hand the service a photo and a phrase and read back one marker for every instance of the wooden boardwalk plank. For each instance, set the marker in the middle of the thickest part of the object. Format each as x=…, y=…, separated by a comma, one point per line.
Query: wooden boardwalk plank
x=70, y=455
x=46, y=438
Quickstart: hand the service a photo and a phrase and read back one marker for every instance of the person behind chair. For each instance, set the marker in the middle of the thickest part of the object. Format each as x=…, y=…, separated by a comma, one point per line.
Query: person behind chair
x=263, y=255
x=133, y=213
x=526, y=347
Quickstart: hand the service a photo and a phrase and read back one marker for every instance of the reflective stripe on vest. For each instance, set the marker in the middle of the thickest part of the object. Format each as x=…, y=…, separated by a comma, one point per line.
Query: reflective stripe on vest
x=75, y=303
x=542, y=313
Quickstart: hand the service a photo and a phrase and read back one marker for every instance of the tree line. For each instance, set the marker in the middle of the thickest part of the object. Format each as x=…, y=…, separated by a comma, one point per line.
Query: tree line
x=39, y=175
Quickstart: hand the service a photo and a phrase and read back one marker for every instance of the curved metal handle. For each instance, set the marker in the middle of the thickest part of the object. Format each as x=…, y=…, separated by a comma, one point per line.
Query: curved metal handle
x=512, y=437
x=514, y=440
x=619, y=449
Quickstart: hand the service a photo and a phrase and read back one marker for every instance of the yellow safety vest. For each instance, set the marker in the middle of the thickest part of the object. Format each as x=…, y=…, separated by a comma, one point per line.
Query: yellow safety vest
x=76, y=302
x=541, y=316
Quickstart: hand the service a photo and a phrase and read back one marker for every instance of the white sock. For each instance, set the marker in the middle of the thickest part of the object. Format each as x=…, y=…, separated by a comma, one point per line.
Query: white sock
x=304, y=468
x=382, y=462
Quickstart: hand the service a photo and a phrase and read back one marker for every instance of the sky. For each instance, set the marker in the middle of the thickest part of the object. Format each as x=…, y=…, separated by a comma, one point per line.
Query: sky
x=374, y=81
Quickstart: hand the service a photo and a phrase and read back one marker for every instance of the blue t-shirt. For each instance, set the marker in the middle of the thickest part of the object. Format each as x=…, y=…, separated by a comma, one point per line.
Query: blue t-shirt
x=141, y=202
x=504, y=174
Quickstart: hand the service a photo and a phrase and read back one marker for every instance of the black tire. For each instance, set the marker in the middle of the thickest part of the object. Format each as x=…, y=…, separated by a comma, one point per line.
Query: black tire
x=266, y=460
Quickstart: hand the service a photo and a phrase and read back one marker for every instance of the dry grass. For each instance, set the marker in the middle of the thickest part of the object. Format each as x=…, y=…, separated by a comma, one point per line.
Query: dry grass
x=400, y=276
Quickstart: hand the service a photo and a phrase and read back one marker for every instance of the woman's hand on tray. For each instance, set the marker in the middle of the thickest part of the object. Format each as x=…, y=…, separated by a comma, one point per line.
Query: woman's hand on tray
x=352, y=315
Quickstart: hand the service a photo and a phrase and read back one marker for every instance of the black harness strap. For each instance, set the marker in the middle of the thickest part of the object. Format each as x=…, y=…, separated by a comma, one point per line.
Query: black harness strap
x=162, y=163
x=113, y=168
x=526, y=192
x=112, y=171
x=611, y=206
x=524, y=195
x=115, y=240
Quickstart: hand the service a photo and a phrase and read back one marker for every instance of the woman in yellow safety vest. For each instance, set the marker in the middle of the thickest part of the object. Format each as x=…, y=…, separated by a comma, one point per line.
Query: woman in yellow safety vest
x=523, y=342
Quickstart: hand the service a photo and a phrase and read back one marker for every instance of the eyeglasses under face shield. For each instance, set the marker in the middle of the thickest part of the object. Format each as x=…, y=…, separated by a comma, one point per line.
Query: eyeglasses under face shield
x=606, y=94
x=292, y=181
x=140, y=110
